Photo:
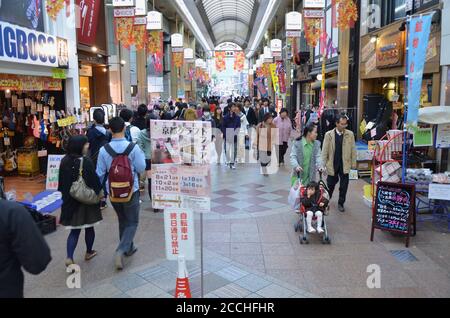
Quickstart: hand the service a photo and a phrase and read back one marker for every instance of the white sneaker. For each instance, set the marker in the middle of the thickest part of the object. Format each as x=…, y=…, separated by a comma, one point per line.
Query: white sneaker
x=311, y=230
x=320, y=230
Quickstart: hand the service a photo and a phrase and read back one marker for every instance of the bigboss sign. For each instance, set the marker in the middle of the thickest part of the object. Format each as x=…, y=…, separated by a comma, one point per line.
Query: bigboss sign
x=22, y=45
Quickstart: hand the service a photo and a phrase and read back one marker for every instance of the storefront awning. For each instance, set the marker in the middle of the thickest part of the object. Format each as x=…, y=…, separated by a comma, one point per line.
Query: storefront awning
x=329, y=83
x=435, y=115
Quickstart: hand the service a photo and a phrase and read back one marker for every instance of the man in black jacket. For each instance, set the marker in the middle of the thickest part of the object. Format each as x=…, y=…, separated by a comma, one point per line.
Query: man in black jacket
x=140, y=120
x=21, y=245
x=266, y=108
x=250, y=113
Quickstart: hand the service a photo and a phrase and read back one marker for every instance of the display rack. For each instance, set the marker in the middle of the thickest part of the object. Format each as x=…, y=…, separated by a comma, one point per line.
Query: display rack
x=388, y=150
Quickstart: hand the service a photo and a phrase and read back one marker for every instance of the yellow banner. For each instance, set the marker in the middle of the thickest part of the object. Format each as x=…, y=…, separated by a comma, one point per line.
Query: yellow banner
x=273, y=72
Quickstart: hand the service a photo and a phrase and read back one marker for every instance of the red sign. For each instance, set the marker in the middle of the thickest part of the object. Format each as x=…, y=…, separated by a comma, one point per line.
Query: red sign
x=88, y=11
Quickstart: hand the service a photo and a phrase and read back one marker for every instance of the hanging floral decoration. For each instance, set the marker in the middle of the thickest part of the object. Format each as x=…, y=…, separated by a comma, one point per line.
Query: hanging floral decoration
x=220, y=60
x=259, y=72
x=239, y=59
x=177, y=59
x=155, y=43
x=313, y=30
x=347, y=13
x=124, y=31
x=140, y=36
x=54, y=7
x=266, y=70
x=292, y=42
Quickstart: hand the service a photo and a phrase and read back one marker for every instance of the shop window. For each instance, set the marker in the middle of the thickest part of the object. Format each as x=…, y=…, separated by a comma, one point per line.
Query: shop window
x=85, y=94
x=399, y=9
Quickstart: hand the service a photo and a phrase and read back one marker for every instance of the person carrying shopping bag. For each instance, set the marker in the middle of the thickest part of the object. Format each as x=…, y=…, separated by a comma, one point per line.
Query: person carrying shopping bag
x=305, y=156
x=266, y=139
x=77, y=212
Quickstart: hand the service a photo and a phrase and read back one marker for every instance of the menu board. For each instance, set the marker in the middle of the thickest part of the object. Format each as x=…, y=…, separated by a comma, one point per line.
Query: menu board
x=394, y=208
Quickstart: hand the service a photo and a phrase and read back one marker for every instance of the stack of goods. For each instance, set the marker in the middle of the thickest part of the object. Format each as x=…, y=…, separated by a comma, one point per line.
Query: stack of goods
x=389, y=172
x=421, y=178
x=396, y=137
x=383, y=151
x=443, y=178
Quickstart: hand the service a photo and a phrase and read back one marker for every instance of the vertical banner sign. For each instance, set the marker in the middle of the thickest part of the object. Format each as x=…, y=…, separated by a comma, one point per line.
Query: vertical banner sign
x=89, y=10
x=281, y=73
x=54, y=161
x=418, y=35
x=273, y=74
x=179, y=233
x=259, y=82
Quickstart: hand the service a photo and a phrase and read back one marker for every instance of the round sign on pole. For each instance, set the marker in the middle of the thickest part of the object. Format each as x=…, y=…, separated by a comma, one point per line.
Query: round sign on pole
x=154, y=20
x=293, y=21
x=275, y=45
x=176, y=40
x=188, y=53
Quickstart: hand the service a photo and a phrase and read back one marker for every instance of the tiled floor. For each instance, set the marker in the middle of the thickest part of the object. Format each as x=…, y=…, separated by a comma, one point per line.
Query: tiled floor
x=251, y=250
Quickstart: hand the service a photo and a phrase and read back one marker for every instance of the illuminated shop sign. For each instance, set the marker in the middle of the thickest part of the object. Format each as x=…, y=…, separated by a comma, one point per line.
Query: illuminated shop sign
x=22, y=45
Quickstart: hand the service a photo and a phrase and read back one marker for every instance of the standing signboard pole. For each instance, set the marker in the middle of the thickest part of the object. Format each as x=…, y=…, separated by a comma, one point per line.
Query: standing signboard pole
x=405, y=110
x=201, y=254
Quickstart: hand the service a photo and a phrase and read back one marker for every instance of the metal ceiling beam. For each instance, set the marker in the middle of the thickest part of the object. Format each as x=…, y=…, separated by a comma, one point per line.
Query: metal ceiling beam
x=201, y=10
x=252, y=22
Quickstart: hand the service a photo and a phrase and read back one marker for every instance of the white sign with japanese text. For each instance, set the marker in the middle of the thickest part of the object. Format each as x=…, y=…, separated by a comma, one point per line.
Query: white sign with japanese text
x=181, y=175
x=179, y=233
x=314, y=4
x=53, y=163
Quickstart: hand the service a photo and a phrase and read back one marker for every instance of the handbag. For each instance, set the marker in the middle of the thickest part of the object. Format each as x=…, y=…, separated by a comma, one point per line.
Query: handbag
x=81, y=192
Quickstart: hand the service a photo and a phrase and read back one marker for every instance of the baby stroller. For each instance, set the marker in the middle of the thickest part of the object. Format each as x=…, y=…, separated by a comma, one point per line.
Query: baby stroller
x=301, y=224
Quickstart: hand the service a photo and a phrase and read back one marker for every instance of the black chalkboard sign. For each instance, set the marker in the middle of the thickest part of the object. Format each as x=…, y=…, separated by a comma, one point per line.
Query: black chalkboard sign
x=394, y=209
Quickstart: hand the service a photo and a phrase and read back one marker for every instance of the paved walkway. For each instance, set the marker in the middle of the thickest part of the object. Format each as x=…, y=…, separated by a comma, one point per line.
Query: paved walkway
x=251, y=250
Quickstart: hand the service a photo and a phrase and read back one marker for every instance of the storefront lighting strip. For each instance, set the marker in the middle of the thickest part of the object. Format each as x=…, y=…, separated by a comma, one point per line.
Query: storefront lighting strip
x=194, y=25
x=262, y=28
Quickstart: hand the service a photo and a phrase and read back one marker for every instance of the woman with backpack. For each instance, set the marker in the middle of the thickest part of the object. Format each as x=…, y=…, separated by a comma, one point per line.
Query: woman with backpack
x=75, y=215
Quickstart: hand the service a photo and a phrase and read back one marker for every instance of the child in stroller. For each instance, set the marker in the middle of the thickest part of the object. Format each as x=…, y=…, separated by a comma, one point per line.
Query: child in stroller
x=315, y=204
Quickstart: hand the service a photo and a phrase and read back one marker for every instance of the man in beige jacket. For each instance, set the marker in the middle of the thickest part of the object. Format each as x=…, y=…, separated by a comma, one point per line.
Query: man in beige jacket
x=339, y=157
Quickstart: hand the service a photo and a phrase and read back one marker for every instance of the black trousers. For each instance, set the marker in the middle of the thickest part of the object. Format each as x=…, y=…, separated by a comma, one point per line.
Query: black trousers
x=343, y=180
x=148, y=164
x=282, y=151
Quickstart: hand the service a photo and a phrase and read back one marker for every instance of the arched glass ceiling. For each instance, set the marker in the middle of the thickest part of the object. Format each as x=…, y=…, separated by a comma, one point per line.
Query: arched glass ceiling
x=229, y=19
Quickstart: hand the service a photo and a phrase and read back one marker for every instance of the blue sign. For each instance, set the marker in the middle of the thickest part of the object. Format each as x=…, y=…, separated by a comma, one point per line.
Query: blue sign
x=22, y=45
x=418, y=36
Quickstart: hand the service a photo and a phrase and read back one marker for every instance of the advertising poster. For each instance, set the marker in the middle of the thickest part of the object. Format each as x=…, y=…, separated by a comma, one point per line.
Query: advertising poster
x=180, y=165
x=29, y=14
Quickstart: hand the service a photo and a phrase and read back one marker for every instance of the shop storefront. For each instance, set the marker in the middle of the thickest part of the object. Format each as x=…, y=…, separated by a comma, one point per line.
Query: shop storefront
x=382, y=74
x=38, y=87
x=92, y=55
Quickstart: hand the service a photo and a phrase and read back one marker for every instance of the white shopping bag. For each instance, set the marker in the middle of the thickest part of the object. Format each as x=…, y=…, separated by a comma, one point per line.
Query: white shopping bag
x=294, y=195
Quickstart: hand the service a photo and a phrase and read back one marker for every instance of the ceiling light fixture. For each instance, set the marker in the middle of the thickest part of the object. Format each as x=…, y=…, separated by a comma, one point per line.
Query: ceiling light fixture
x=262, y=27
x=196, y=29
x=94, y=49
